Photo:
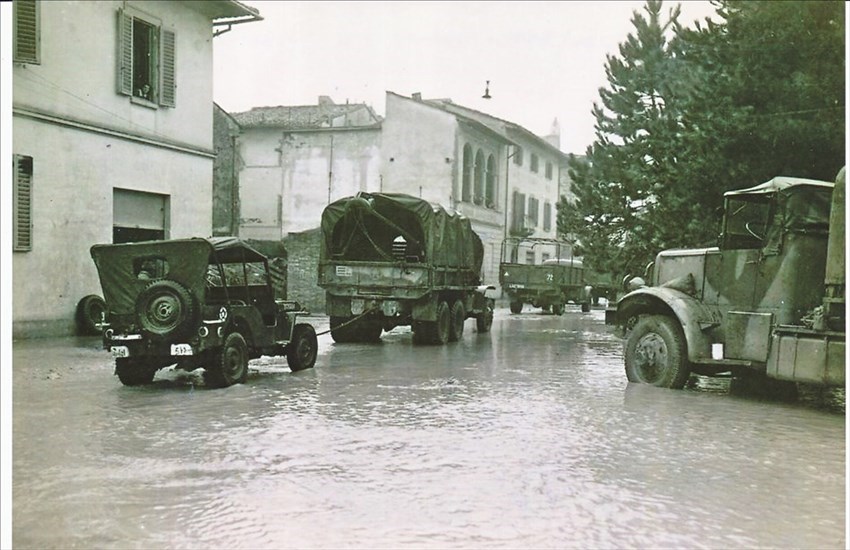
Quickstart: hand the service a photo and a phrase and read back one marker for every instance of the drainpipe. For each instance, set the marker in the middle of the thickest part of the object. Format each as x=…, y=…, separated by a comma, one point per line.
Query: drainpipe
x=234, y=189
x=331, y=169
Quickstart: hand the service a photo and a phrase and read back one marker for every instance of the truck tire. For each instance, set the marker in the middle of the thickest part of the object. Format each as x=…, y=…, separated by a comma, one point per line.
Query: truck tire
x=656, y=353
x=458, y=317
x=231, y=363
x=558, y=309
x=585, y=307
x=434, y=332
x=341, y=334
x=301, y=351
x=133, y=372
x=485, y=319
x=367, y=331
x=165, y=308
x=91, y=311
x=516, y=307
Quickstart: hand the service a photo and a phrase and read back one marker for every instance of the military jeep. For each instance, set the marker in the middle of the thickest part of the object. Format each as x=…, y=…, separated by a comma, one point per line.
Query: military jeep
x=196, y=303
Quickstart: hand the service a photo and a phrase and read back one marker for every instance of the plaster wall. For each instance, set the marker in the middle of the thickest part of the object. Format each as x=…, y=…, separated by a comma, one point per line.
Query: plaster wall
x=289, y=177
x=419, y=150
x=74, y=174
x=77, y=77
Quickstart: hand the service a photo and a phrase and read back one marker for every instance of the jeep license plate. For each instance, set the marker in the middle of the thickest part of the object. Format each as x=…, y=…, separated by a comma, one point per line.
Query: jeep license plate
x=181, y=349
x=120, y=351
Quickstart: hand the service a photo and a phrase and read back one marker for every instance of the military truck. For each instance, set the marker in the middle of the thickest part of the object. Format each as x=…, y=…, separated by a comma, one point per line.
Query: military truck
x=539, y=272
x=389, y=260
x=196, y=303
x=768, y=302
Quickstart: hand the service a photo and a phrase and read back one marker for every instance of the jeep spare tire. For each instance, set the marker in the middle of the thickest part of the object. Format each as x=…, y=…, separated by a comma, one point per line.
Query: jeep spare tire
x=165, y=308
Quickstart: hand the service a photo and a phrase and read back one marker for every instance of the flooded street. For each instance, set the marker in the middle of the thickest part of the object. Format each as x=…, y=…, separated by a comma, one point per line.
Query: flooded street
x=528, y=436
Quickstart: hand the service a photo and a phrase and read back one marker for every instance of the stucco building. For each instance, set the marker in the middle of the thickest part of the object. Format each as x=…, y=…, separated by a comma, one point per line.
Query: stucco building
x=298, y=159
x=504, y=178
x=294, y=161
x=112, y=136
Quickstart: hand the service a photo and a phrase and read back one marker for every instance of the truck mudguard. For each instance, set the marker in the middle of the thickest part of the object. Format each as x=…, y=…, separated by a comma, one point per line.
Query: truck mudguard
x=697, y=319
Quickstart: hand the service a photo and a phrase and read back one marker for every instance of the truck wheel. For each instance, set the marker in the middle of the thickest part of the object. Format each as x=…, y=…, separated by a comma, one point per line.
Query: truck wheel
x=443, y=324
x=301, y=351
x=344, y=334
x=231, y=363
x=558, y=309
x=165, y=308
x=485, y=319
x=91, y=310
x=656, y=353
x=516, y=307
x=585, y=307
x=367, y=331
x=458, y=317
x=133, y=372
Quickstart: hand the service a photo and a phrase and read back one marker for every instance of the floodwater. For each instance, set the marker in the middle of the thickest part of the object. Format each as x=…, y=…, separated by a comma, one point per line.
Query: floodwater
x=529, y=436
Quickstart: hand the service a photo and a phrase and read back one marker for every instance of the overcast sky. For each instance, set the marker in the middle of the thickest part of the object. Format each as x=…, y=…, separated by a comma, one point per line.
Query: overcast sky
x=543, y=59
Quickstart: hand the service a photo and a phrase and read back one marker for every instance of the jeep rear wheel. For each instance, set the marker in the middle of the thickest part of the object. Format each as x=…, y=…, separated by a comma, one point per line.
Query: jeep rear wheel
x=231, y=363
x=656, y=353
x=558, y=309
x=165, y=308
x=133, y=372
x=301, y=351
x=516, y=307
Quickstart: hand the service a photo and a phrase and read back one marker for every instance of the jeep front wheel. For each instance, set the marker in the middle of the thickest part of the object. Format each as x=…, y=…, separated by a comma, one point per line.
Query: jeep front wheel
x=231, y=363
x=301, y=351
x=656, y=353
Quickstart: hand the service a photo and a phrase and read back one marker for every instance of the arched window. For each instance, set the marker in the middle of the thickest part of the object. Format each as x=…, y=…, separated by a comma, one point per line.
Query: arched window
x=466, y=182
x=478, y=196
x=490, y=188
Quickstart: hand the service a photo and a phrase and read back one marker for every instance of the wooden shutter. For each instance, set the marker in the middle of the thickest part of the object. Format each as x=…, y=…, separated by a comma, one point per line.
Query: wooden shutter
x=22, y=204
x=26, y=35
x=168, y=85
x=125, y=53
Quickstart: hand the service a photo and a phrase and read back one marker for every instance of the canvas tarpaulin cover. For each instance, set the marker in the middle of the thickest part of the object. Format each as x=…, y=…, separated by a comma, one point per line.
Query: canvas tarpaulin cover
x=184, y=261
x=365, y=227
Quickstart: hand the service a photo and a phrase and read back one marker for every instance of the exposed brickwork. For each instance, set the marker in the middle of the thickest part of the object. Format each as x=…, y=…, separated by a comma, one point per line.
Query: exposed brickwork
x=302, y=272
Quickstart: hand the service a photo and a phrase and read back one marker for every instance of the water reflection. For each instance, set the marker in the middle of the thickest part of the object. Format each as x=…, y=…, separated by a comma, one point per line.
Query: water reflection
x=525, y=437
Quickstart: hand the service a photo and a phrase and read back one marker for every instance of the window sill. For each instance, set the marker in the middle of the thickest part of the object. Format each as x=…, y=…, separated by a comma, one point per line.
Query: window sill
x=143, y=102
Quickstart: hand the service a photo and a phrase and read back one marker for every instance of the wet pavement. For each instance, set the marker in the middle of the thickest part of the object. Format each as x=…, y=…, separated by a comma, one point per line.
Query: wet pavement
x=528, y=436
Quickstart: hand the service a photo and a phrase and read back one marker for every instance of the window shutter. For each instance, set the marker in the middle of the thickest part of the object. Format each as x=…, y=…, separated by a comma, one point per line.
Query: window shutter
x=22, y=205
x=125, y=53
x=168, y=95
x=26, y=35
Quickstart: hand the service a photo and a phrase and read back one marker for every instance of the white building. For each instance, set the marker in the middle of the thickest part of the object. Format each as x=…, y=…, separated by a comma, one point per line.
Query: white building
x=112, y=139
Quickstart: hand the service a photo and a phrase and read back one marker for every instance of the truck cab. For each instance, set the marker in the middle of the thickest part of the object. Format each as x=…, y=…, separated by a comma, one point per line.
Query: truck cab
x=724, y=310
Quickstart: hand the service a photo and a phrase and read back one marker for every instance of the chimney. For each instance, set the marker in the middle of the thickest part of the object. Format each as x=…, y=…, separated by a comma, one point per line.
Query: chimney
x=554, y=136
x=417, y=96
x=325, y=100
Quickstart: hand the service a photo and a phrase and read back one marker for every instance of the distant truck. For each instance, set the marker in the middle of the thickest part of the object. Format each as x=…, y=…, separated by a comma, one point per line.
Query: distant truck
x=548, y=278
x=768, y=302
x=389, y=260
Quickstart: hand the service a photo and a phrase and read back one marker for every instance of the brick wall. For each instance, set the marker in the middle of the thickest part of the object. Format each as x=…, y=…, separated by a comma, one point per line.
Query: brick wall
x=302, y=271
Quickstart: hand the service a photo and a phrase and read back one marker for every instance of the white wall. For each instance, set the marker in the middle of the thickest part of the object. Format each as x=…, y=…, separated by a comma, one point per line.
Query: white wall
x=75, y=169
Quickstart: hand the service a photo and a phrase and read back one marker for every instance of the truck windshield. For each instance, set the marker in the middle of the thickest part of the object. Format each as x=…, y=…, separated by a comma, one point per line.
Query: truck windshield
x=746, y=222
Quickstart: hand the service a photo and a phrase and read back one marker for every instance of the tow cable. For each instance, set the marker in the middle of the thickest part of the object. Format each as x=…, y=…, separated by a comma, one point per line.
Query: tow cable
x=345, y=324
x=352, y=320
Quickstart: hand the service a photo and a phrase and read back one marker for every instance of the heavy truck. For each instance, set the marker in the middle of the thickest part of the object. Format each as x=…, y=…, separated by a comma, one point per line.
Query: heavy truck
x=767, y=305
x=390, y=259
x=539, y=272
